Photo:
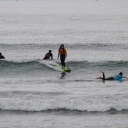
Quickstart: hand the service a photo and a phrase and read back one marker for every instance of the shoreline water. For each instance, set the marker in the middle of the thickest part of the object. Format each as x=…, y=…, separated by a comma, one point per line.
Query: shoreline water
x=62, y=119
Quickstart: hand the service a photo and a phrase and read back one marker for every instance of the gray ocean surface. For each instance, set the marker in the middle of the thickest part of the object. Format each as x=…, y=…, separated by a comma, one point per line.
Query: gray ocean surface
x=36, y=94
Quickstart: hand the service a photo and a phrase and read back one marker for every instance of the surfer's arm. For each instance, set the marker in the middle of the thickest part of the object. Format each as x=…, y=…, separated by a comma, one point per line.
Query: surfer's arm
x=51, y=56
x=125, y=77
x=65, y=53
x=58, y=55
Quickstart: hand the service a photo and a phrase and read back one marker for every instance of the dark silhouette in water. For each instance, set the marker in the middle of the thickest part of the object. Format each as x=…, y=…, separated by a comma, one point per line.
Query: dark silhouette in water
x=63, y=74
x=48, y=55
x=1, y=56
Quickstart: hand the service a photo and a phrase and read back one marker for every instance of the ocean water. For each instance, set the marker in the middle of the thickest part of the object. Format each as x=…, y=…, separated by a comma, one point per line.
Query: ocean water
x=36, y=94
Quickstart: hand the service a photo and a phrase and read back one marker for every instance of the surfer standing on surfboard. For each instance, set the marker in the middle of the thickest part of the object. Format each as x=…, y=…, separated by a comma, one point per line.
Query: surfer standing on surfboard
x=63, y=54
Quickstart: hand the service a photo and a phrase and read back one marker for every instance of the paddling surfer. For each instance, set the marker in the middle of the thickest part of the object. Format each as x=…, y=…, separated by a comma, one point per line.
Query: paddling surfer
x=117, y=77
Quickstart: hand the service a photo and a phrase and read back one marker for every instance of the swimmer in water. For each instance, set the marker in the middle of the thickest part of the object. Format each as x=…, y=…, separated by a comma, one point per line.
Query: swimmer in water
x=117, y=77
x=49, y=55
x=1, y=56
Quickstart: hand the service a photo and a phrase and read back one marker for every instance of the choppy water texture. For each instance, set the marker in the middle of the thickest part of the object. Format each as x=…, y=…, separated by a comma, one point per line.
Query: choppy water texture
x=34, y=93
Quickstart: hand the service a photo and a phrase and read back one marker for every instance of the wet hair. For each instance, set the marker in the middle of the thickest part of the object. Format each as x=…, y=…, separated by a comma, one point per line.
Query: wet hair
x=0, y=53
x=121, y=73
x=61, y=46
x=50, y=50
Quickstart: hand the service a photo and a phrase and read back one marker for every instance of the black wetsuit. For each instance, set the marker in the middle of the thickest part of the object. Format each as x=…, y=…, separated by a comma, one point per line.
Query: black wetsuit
x=2, y=57
x=62, y=59
x=109, y=78
x=48, y=55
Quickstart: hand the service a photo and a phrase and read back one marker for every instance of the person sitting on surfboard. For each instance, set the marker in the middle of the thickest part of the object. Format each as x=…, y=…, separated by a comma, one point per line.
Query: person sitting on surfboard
x=63, y=54
x=48, y=55
x=1, y=56
x=117, y=77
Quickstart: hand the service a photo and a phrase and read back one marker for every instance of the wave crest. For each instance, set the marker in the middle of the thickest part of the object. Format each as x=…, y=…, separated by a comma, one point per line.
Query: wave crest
x=37, y=65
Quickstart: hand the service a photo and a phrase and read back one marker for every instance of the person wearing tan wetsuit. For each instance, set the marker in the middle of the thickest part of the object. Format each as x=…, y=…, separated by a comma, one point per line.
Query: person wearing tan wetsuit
x=62, y=52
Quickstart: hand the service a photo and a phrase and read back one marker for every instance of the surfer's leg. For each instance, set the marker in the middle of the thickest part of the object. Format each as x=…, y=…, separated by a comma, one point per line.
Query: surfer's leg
x=103, y=78
x=63, y=63
x=62, y=56
x=103, y=75
x=64, y=60
x=61, y=59
x=109, y=78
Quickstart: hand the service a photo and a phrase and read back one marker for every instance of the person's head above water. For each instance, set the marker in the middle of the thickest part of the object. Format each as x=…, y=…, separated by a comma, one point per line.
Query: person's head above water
x=121, y=73
x=50, y=51
x=0, y=54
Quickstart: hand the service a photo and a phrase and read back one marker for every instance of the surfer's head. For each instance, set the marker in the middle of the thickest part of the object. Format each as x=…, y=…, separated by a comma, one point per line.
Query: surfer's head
x=121, y=73
x=0, y=53
x=50, y=51
x=62, y=46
